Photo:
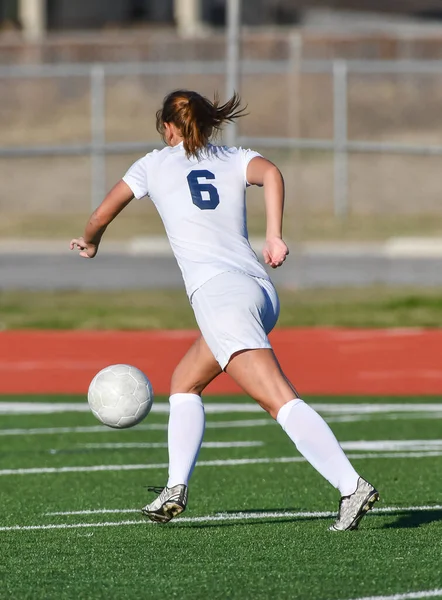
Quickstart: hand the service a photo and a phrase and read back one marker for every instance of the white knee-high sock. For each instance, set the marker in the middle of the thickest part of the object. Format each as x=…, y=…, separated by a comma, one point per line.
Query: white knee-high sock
x=185, y=435
x=316, y=442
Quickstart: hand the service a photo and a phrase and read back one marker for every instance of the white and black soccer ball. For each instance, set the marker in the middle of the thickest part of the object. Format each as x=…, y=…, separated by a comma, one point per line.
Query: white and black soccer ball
x=120, y=396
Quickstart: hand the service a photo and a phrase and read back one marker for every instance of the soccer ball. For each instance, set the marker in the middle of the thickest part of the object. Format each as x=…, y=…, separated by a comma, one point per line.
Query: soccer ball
x=120, y=396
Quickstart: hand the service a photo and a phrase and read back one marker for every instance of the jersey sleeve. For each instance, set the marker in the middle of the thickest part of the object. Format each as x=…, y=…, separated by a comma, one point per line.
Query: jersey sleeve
x=246, y=157
x=136, y=177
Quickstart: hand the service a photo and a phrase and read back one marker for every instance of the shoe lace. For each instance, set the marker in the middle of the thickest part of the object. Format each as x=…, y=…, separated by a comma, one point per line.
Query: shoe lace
x=155, y=489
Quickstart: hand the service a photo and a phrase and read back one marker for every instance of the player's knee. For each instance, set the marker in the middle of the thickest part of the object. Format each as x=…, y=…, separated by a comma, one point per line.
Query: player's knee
x=177, y=388
x=269, y=404
x=181, y=383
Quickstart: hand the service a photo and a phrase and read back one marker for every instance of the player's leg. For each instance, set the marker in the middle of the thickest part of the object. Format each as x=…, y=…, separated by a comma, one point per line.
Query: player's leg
x=244, y=310
x=195, y=370
x=186, y=429
x=187, y=419
x=259, y=375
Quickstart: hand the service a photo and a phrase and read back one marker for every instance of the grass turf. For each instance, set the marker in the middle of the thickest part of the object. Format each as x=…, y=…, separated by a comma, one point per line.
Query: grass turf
x=364, y=307
x=293, y=558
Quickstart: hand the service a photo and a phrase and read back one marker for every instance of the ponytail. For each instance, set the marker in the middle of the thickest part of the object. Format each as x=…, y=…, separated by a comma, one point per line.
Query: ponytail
x=197, y=118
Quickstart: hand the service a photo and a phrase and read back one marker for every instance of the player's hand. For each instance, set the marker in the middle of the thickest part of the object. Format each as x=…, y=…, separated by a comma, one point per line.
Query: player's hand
x=275, y=252
x=86, y=250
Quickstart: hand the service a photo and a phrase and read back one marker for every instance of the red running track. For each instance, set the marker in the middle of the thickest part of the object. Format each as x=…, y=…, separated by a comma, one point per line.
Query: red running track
x=318, y=361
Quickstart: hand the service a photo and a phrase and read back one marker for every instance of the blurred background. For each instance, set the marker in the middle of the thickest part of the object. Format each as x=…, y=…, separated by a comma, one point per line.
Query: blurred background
x=344, y=95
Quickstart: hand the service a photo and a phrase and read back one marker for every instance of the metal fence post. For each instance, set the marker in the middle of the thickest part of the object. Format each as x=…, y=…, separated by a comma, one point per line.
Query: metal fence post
x=340, y=120
x=293, y=181
x=98, y=136
x=294, y=84
x=233, y=24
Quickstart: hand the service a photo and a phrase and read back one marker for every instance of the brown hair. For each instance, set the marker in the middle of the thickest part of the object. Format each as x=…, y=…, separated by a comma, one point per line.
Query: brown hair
x=196, y=117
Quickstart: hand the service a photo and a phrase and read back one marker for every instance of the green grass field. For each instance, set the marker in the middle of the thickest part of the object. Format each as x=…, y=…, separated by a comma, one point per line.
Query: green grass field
x=256, y=526
x=169, y=309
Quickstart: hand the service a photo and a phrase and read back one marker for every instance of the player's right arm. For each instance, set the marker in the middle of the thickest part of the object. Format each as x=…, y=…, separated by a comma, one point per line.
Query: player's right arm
x=119, y=197
x=261, y=171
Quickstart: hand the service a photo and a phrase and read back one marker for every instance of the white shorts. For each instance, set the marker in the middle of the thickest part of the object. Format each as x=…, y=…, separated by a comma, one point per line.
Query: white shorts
x=234, y=312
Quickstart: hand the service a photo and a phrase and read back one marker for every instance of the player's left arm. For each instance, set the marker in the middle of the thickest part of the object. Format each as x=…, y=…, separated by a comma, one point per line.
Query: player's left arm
x=262, y=172
x=119, y=197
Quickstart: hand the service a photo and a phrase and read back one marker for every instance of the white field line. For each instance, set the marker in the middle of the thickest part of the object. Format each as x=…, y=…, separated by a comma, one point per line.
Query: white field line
x=378, y=445
x=141, y=427
x=28, y=408
x=85, y=429
x=35, y=408
x=71, y=526
x=162, y=426
x=207, y=463
x=354, y=409
x=385, y=417
x=383, y=510
x=239, y=424
x=141, y=467
x=209, y=425
x=393, y=445
x=382, y=416
x=354, y=418
x=164, y=445
x=406, y=596
x=203, y=519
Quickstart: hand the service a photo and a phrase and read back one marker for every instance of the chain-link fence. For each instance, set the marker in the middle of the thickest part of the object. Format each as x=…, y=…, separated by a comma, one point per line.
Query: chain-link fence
x=358, y=141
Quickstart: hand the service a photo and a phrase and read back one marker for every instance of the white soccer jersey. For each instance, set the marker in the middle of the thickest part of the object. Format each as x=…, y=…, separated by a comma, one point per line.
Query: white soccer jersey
x=202, y=205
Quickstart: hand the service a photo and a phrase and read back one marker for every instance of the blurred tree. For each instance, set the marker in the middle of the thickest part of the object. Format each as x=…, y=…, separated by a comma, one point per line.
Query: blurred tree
x=8, y=12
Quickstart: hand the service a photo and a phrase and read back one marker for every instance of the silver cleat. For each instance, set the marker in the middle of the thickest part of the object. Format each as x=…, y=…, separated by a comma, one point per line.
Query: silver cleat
x=170, y=503
x=352, y=508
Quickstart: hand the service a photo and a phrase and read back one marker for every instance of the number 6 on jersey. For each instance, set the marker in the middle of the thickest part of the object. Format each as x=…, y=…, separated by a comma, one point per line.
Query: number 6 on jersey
x=197, y=189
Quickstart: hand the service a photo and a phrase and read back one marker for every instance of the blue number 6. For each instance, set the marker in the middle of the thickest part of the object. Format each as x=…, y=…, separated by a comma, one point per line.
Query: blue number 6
x=197, y=189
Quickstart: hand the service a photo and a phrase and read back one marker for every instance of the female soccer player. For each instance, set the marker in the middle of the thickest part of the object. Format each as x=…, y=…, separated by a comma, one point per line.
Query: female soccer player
x=199, y=191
